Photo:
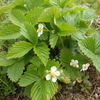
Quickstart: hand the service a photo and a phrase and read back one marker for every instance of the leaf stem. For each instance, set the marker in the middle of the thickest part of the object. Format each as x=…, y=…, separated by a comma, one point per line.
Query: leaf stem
x=62, y=42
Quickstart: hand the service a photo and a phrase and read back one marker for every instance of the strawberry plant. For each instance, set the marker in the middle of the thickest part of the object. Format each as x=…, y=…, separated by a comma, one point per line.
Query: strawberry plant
x=47, y=42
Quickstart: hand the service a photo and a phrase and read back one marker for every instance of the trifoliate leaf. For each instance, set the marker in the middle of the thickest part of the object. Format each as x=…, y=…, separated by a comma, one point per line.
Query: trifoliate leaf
x=90, y=46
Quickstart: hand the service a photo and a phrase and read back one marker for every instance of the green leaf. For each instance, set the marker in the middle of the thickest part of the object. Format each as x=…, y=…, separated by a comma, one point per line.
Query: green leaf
x=87, y=45
x=53, y=40
x=56, y=2
x=42, y=51
x=19, y=2
x=29, y=32
x=51, y=89
x=50, y=14
x=43, y=90
x=91, y=47
x=71, y=19
x=17, y=17
x=15, y=71
x=1, y=43
x=44, y=36
x=4, y=61
x=65, y=57
x=27, y=57
x=81, y=58
x=38, y=91
x=41, y=71
x=34, y=3
x=32, y=67
x=73, y=72
x=10, y=32
x=34, y=14
x=28, y=78
x=74, y=9
x=82, y=27
x=66, y=29
x=21, y=8
x=88, y=14
x=19, y=49
x=78, y=36
x=6, y=8
x=61, y=3
x=46, y=1
x=52, y=63
x=27, y=91
x=36, y=61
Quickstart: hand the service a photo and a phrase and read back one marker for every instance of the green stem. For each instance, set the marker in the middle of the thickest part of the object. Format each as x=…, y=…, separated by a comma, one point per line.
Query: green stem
x=62, y=42
x=5, y=46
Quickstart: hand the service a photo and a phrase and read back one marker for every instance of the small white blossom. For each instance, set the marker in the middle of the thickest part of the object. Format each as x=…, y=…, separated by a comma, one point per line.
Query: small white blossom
x=25, y=5
x=40, y=29
x=53, y=73
x=85, y=67
x=74, y=63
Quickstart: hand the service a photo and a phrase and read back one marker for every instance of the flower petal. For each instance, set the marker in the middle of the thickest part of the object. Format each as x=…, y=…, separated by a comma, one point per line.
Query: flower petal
x=40, y=25
x=54, y=79
x=70, y=63
x=76, y=61
x=48, y=77
x=53, y=69
x=39, y=33
x=87, y=64
x=83, y=65
x=57, y=73
x=72, y=60
x=77, y=66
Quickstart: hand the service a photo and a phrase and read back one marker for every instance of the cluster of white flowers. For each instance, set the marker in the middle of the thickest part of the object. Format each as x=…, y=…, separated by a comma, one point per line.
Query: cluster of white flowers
x=74, y=63
x=52, y=74
x=40, y=29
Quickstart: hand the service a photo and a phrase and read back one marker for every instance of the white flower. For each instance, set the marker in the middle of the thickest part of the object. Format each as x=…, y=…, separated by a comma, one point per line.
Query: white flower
x=25, y=5
x=85, y=67
x=74, y=63
x=40, y=29
x=53, y=73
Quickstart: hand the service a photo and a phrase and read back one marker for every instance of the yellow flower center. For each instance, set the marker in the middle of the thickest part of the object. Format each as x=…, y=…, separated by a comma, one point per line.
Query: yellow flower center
x=74, y=64
x=52, y=74
x=86, y=66
x=39, y=29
